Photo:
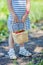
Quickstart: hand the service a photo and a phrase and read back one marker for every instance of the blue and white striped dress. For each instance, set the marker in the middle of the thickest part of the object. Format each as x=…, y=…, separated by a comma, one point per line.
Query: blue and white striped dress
x=19, y=7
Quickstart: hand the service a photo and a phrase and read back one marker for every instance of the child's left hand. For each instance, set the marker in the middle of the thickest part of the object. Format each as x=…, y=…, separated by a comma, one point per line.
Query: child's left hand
x=24, y=18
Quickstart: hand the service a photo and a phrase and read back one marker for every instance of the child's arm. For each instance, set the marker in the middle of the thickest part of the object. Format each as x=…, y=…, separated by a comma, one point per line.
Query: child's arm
x=28, y=5
x=15, y=18
x=27, y=10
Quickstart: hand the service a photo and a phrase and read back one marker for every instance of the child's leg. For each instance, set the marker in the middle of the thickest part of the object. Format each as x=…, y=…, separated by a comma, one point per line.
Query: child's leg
x=11, y=48
x=11, y=28
x=23, y=51
x=11, y=41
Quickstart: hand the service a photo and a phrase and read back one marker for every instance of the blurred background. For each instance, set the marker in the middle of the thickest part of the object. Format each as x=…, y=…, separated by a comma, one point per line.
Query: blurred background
x=36, y=17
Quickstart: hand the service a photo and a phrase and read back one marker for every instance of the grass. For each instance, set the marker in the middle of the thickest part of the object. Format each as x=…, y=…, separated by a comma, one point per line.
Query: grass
x=31, y=63
x=36, y=14
x=38, y=60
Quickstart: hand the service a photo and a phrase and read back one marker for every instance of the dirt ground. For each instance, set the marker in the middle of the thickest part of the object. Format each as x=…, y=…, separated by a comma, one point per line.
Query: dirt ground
x=35, y=46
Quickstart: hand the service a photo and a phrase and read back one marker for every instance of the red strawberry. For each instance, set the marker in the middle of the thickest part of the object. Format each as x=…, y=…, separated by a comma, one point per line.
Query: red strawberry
x=19, y=31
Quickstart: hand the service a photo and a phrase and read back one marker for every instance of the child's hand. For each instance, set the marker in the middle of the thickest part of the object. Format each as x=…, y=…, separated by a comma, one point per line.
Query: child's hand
x=15, y=18
x=24, y=18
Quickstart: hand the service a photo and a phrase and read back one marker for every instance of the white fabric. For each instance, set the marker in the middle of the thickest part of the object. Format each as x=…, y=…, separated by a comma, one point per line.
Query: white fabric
x=12, y=54
x=24, y=52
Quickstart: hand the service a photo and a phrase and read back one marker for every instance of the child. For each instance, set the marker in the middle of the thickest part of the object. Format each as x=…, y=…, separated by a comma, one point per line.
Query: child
x=19, y=10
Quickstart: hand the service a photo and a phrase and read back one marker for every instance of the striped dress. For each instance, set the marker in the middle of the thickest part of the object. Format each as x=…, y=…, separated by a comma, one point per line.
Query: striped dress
x=19, y=7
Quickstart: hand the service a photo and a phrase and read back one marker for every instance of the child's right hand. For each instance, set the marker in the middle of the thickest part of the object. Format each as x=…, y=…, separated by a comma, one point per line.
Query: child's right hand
x=15, y=18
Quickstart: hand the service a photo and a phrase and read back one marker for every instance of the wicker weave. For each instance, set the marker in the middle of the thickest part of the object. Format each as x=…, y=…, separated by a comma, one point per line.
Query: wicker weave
x=20, y=38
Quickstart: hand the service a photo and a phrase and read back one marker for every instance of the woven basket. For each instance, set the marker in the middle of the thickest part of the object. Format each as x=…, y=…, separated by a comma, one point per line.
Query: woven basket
x=20, y=38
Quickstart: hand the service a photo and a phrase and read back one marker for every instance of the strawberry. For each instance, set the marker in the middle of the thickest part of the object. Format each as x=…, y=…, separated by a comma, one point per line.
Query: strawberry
x=19, y=31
